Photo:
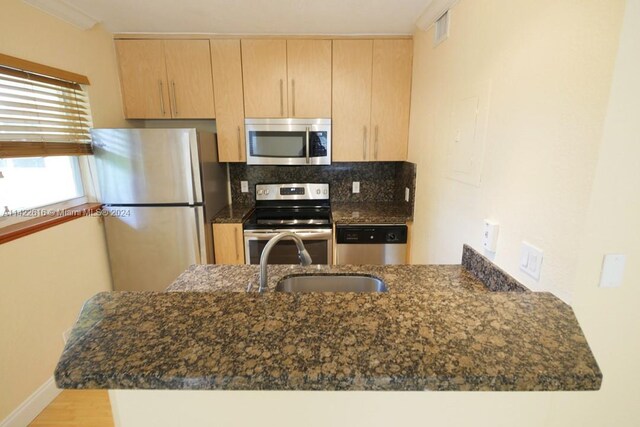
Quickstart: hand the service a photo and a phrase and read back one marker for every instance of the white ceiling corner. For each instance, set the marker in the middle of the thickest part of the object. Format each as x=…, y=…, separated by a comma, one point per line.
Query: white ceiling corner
x=393, y=17
x=64, y=11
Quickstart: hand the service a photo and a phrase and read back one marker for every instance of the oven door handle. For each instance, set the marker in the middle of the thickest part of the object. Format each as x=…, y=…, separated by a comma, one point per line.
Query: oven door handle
x=307, y=234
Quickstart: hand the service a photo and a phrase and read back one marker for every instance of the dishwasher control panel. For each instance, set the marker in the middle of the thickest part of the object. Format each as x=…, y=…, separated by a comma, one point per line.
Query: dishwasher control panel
x=371, y=234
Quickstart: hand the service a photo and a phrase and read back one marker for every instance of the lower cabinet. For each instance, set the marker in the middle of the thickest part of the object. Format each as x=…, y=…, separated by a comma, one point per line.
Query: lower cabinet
x=228, y=243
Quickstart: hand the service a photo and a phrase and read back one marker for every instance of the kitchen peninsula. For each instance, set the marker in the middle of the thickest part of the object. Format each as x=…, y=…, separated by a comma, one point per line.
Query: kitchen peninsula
x=457, y=327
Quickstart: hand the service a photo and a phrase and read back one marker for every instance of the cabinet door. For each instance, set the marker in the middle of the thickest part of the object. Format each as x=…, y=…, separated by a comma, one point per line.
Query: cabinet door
x=189, y=78
x=352, y=61
x=390, y=99
x=143, y=78
x=264, y=72
x=228, y=243
x=226, y=64
x=309, y=74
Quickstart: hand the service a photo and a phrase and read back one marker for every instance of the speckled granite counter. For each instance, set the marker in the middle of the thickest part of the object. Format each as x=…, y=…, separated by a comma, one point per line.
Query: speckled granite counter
x=371, y=213
x=438, y=328
x=233, y=214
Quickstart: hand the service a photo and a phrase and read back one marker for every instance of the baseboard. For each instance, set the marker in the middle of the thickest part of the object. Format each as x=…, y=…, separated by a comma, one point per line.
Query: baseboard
x=32, y=406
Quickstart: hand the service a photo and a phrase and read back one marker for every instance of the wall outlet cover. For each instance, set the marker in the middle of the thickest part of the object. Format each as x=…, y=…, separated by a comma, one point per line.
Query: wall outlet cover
x=407, y=194
x=244, y=186
x=356, y=187
x=490, y=235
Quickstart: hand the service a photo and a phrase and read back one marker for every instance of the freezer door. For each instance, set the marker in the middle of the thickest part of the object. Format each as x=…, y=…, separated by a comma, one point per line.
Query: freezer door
x=150, y=246
x=145, y=166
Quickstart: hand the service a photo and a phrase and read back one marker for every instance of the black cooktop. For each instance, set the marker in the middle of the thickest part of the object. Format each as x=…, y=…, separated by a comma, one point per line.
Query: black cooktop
x=289, y=217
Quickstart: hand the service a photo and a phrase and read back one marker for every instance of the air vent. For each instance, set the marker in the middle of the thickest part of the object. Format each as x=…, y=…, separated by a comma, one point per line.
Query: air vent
x=442, y=29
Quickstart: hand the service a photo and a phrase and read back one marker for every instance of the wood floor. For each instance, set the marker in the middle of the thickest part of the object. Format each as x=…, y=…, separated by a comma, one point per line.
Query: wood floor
x=77, y=408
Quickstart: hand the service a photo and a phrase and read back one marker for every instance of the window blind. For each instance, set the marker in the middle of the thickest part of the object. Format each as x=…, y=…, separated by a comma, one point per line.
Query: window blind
x=42, y=116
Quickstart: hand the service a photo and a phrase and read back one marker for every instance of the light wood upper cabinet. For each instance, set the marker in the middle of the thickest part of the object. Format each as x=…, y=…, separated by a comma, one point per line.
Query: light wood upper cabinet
x=264, y=71
x=228, y=243
x=164, y=79
x=371, y=99
x=189, y=79
x=352, y=62
x=309, y=78
x=226, y=64
x=391, y=99
x=143, y=78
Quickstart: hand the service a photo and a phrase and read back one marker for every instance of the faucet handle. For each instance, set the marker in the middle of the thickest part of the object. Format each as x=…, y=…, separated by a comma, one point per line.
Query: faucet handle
x=305, y=258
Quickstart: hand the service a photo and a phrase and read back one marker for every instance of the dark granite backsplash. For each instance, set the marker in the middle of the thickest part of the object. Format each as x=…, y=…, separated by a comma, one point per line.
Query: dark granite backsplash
x=379, y=181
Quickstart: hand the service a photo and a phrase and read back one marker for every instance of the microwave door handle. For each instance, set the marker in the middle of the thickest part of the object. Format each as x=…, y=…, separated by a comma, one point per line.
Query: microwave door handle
x=307, y=143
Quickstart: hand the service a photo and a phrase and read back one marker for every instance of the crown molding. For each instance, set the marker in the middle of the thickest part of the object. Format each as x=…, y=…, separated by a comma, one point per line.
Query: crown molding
x=64, y=12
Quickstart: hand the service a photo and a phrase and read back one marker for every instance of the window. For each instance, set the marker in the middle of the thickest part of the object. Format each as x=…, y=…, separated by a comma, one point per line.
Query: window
x=45, y=125
x=40, y=115
x=33, y=182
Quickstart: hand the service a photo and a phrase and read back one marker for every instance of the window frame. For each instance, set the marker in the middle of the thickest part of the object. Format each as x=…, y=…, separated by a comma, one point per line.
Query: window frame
x=15, y=226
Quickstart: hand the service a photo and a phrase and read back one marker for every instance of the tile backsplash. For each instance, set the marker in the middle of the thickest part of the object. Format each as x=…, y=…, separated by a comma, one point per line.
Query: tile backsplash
x=379, y=181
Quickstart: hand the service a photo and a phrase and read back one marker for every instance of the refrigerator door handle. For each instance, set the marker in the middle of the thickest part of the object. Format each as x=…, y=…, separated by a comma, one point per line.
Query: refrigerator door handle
x=199, y=238
x=195, y=172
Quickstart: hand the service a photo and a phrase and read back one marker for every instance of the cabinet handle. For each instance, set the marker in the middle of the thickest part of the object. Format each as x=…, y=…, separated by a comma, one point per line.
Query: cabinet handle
x=239, y=145
x=175, y=101
x=235, y=242
x=161, y=98
x=375, y=145
x=281, y=98
x=364, y=143
x=293, y=98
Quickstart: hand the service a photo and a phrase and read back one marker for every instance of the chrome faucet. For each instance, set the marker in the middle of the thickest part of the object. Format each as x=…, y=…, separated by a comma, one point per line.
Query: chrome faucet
x=305, y=258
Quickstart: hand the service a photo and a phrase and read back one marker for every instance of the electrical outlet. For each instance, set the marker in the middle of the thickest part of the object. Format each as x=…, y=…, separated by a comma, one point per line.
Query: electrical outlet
x=356, y=187
x=531, y=260
x=490, y=236
x=407, y=194
x=244, y=186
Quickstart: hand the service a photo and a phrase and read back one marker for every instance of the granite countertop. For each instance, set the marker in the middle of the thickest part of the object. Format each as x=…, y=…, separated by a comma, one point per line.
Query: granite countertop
x=371, y=213
x=232, y=214
x=438, y=328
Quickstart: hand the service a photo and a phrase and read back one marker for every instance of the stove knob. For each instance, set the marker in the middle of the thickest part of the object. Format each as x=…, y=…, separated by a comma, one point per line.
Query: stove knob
x=325, y=192
x=318, y=191
x=260, y=192
x=266, y=191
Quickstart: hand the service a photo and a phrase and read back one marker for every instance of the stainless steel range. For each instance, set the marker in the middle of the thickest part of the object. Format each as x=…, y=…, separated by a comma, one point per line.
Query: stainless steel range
x=301, y=208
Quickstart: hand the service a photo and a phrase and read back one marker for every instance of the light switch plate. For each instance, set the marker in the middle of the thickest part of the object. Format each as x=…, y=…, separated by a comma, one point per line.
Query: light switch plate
x=244, y=186
x=531, y=260
x=612, y=270
x=407, y=194
x=356, y=187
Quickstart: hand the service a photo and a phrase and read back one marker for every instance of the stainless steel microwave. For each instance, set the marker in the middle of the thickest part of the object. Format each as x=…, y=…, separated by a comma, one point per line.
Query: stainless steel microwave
x=288, y=141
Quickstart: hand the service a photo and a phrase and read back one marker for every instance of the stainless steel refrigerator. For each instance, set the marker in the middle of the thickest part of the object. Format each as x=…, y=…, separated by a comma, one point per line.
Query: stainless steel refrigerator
x=161, y=188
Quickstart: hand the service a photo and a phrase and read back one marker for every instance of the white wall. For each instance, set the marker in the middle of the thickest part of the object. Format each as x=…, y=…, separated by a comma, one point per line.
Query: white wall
x=561, y=169
x=45, y=277
x=549, y=67
x=28, y=33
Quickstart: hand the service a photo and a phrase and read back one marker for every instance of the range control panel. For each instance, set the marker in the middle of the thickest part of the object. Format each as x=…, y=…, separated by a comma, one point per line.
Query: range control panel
x=371, y=234
x=292, y=192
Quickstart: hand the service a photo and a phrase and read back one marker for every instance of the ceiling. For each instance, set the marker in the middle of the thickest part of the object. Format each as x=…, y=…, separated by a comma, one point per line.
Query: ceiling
x=250, y=16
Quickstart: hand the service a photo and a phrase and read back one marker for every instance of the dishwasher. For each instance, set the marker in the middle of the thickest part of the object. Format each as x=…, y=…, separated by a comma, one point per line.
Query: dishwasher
x=371, y=244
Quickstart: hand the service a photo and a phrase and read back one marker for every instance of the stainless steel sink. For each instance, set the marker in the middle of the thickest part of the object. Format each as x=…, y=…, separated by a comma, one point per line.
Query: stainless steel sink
x=331, y=283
